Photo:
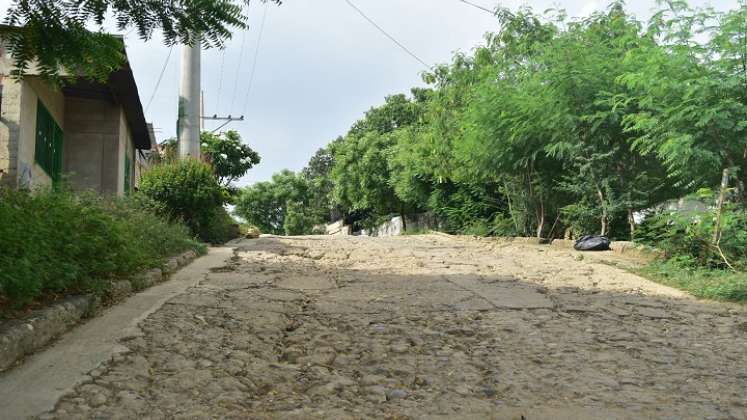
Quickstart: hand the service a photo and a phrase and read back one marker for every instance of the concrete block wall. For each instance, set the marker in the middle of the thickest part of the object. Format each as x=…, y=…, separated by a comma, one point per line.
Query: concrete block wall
x=35, y=90
x=338, y=228
x=126, y=148
x=10, y=126
x=395, y=227
x=18, y=129
x=92, y=150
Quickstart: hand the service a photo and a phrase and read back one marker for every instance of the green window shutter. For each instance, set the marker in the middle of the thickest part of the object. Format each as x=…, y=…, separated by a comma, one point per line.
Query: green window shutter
x=127, y=174
x=48, y=146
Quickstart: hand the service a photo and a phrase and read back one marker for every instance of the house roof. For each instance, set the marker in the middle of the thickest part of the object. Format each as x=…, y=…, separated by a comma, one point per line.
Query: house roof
x=120, y=88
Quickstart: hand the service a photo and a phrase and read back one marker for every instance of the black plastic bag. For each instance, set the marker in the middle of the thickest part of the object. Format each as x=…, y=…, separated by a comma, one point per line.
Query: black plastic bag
x=592, y=243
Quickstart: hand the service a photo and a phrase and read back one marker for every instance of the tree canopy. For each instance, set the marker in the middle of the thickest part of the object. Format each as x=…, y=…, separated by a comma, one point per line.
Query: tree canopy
x=555, y=127
x=56, y=35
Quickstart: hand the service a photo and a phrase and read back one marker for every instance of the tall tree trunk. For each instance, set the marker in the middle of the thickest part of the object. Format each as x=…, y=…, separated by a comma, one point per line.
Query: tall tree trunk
x=631, y=222
x=404, y=220
x=540, y=218
x=605, y=217
x=511, y=207
x=720, y=205
x=529, y=202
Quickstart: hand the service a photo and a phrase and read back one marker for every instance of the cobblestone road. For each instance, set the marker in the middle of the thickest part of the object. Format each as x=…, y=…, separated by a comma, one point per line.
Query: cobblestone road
x=424, y=327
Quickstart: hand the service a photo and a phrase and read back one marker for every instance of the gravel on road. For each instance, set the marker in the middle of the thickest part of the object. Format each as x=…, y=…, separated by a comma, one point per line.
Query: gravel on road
x=423, y=327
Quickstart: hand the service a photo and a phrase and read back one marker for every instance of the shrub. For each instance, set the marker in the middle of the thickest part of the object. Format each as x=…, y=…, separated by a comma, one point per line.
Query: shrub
x=688, y=236
x=59, y=242
x=188, y=191
x=219, y=227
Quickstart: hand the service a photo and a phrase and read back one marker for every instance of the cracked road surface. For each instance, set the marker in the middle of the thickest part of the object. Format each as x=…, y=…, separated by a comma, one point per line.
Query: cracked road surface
x=423, y=327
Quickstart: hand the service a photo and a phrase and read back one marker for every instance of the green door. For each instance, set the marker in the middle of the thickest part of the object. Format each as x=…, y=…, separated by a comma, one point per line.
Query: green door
x=57, y=162
x=49, y=140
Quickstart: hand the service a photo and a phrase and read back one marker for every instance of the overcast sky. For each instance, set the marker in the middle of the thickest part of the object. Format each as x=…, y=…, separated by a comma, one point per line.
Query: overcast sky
x=321, y=66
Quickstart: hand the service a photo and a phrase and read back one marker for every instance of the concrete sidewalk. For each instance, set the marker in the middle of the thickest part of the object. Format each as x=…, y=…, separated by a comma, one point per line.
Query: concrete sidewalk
x=35, y=386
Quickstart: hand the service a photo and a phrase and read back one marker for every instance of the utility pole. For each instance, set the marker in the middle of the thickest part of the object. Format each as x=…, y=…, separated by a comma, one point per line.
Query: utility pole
x=189, y=122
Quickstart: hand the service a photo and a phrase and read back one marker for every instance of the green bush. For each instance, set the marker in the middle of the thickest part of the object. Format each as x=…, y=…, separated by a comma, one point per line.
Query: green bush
x=688, y=236
x=59, y=242
x=219, y=228
x=188, y=191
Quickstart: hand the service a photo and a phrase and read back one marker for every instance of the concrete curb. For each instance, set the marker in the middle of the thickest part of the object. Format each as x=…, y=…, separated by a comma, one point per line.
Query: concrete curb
x=21, y=337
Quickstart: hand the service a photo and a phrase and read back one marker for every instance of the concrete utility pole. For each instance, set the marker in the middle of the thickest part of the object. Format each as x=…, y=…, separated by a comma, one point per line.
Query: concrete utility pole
x=189, y=122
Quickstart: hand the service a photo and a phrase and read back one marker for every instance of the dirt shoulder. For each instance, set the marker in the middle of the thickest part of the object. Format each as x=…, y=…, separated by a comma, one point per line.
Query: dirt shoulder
x=423, y=327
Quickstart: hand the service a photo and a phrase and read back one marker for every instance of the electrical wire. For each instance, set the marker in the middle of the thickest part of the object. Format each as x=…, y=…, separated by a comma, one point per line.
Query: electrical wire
x=134, y=28
x=238, y=70
x=492, y=12
x=399, y=44
x=160, y=77
x=220, y=79
x=256, y=55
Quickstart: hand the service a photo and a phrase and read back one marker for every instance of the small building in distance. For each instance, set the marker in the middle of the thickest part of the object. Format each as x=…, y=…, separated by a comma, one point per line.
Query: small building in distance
x=86, y=133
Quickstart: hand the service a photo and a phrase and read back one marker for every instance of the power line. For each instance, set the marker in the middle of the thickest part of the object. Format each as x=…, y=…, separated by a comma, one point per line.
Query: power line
x=256, y=55
x=492, y=12
x=134, y=28
x=238, y=69
x=220, y=79
x=407, y=50
x=160, y=77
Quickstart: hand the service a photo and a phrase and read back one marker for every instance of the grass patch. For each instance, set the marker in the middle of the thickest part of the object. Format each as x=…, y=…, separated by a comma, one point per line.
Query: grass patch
x=701, y=282
x=56, y=242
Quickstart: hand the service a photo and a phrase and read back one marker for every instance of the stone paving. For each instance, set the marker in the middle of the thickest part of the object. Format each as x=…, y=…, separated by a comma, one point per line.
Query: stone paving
x=423, y=327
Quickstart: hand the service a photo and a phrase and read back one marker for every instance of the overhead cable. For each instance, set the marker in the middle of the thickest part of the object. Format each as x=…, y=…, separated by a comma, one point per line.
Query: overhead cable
x=238, y=70
x=256, y=55
x=399, y=44
x=220, y=79
x=492, y=12
x=160, y=77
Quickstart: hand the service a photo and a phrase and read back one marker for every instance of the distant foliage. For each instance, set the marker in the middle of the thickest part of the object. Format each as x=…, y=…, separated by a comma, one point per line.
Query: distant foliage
x=281, y=206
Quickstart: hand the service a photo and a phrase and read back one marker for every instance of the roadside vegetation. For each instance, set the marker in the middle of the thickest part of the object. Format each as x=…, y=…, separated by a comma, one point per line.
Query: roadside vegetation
x=555, y=127
x=56, y=242
x=196, y=192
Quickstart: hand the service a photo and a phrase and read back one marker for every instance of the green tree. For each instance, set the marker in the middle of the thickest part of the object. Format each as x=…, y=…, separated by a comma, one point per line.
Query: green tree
x=53, y=34
x=691, y=96
x=361, y=176
x=230, y=158
x=361, y=173
x=280, y=207
x=319, y=174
